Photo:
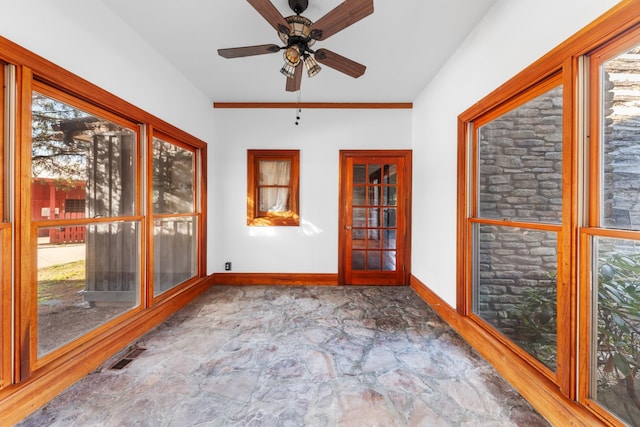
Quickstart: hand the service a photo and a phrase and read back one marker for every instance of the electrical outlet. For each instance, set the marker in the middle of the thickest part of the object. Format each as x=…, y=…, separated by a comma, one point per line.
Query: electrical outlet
x=227, y=266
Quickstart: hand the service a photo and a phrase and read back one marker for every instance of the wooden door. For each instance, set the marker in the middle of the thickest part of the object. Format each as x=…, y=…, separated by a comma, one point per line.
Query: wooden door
x=375, y=200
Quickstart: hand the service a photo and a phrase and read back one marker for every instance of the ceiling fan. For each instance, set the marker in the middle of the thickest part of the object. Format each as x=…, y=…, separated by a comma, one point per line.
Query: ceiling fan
x=299, y=34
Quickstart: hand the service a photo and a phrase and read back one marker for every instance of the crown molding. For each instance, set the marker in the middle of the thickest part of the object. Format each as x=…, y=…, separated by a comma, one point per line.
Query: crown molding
x=333, y=105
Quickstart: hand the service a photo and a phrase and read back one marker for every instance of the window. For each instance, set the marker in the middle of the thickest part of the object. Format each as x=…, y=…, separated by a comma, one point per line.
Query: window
x=74, y=205
x=111, y=232
x=5, y=237
x=272, y=187
x=611, y=238
x=5, y=307
x=78, y=147
x=175, y=216
x=102, y=226
x=515, y=220
x=549, y=221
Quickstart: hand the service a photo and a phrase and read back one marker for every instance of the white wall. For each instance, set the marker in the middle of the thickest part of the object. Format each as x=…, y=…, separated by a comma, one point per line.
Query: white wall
x=513, y=34
x=312, y=247
x=86, y=38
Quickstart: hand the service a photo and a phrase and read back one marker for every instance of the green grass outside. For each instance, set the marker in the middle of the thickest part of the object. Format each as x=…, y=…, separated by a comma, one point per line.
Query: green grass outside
x=59, y=282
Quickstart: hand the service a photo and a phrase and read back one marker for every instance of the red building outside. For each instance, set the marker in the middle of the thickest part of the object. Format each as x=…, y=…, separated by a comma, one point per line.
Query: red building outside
x=54, y=198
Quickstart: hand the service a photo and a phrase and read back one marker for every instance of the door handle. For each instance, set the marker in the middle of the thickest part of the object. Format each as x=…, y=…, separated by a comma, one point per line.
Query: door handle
x=348, y=227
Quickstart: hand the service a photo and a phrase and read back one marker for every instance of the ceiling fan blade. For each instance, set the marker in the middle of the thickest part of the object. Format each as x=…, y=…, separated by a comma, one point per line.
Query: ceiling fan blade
x=271, y=14
x=293, y=83
x=339, y=18
x=237, y=52
x=339, y=62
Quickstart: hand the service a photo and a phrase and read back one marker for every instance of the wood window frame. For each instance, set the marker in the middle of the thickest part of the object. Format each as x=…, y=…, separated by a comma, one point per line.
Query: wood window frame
x=5, y=305
x=594, y=228
x=5, y=248
x=255, y=217
x=554, y=398
x=27, y=382
x=555, y=77
x=199, y=153
x=31, y=361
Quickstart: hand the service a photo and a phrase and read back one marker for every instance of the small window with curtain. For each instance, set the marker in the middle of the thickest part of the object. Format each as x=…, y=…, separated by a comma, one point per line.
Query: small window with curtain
x=272, y=187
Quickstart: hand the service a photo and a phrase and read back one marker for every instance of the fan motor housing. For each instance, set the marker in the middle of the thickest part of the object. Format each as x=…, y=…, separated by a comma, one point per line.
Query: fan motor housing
x=298, y=6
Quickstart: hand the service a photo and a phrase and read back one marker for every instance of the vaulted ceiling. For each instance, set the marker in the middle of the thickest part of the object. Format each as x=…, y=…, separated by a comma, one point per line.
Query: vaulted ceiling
x=403, y=44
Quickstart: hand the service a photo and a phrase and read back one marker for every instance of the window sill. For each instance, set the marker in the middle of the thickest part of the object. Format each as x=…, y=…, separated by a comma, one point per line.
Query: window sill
x=269, y=221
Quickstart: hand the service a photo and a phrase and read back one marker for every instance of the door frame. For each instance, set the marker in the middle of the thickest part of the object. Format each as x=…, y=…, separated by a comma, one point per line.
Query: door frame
x=405, y=240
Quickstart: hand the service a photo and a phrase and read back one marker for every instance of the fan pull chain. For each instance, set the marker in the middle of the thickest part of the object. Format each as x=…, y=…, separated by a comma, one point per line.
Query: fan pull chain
x=299, y=109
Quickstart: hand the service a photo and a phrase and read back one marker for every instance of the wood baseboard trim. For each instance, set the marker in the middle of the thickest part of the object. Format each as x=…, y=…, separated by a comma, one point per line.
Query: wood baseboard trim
x=283, y=279
x=17, y=401
x=538, y=390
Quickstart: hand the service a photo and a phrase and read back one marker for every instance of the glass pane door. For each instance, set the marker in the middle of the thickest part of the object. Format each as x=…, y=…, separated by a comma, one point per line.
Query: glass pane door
x=374, y=225
x=374, y=217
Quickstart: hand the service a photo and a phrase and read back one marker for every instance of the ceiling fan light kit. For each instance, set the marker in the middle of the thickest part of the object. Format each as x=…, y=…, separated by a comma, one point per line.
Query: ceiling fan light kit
x=312, y=66
x=299, y=34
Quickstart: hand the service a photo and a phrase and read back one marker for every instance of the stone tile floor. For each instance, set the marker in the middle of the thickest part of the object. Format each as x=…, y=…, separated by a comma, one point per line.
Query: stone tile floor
x=296, y=356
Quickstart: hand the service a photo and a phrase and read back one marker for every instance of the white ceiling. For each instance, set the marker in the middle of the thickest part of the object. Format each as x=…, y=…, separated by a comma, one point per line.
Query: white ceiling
x=403, y=44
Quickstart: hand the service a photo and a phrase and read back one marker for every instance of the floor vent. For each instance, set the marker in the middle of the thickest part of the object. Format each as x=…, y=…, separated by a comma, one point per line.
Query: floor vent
x=128, y=358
